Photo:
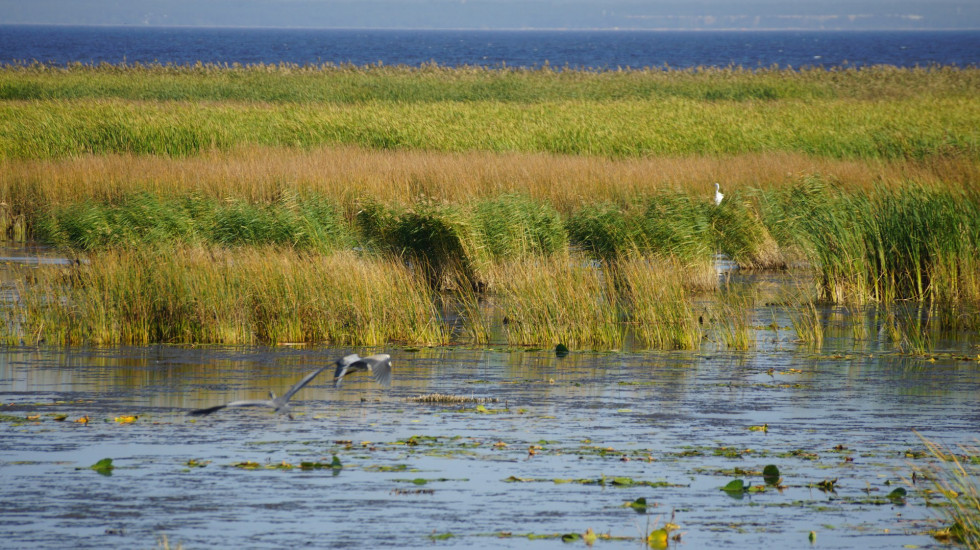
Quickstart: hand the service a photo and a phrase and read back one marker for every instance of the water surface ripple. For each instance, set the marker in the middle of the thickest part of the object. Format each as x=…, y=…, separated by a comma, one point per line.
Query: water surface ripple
x=682, y=418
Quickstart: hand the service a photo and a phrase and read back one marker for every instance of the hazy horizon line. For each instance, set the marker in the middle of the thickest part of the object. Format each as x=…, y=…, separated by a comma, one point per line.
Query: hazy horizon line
x=505, y=29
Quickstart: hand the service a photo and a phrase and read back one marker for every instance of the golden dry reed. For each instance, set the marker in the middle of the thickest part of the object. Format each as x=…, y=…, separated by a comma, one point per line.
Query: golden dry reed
x=349, y=174
x=659, y=300
x=550, y=301
x=245, y=296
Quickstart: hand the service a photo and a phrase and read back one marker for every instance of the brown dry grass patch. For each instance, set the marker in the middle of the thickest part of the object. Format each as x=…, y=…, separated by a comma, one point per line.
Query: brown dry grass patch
x=349, y=175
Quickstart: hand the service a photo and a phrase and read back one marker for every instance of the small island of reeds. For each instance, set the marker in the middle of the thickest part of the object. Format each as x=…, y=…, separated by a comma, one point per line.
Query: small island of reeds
x=370, y=205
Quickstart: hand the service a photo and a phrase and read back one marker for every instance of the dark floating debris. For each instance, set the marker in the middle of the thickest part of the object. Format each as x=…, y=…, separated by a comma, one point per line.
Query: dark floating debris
x=447, y=398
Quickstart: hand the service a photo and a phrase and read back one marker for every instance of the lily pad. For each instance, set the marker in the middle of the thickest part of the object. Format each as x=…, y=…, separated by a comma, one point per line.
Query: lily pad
x=771, y=474
x=898, y=496
x=103, y=466
x=734, y=486
x=658, y=538
x=640, y=505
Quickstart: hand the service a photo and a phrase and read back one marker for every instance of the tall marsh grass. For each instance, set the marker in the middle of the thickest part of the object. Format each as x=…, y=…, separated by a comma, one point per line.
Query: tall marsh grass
x=899, y=128
x=348, y=175
x=147, y=220
x=956, y=479
x=553, y=301
x=734, y=324
x=657, y=298
x=806, y=320
x=912, y=242
x=887, y=243
x=328, y=83
x=206, y=295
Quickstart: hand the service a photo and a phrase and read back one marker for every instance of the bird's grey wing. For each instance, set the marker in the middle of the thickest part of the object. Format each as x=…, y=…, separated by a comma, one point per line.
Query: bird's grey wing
x=209, y=410
x=203, y=412
x=380, y=367
x=343, y=367
x=299, y=385
x=252, y=403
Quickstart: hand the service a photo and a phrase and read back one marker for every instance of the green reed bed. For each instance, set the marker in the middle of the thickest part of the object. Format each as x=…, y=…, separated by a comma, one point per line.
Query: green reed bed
x=432, y=83
x=206, y=295
x=620, y=128
x=585, y=279
x=879, y=112
x=888, y=244
x=910, y=242
x=671, y=224
x=445, y=240
x=146, y=220
x=676, y=225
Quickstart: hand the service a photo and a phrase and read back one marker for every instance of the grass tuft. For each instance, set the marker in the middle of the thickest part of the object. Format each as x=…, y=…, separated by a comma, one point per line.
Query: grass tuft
x=205, y=295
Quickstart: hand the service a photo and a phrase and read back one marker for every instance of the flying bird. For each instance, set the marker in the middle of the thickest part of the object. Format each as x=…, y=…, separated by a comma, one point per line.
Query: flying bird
x=718, y=194
x=278, y=404
x=378, y=365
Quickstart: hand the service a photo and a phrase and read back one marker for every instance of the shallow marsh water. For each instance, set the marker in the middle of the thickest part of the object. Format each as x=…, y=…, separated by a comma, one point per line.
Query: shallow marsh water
x=559, y=445
x=412, y=470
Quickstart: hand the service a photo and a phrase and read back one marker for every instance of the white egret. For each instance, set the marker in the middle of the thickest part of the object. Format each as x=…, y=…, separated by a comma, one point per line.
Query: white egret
x=718, y=194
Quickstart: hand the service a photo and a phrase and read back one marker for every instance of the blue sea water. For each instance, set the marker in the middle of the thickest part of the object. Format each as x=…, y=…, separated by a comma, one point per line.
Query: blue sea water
x=575, y=49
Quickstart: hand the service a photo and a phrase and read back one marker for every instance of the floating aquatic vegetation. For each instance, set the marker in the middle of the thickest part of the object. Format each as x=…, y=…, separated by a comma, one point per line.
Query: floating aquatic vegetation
x=827, y=485
x=388, y=468
x=735, y=486
x=399, y=491
x=616, y=481
x=103, y=466
x=448, y=398
x=771, y=474
x=639, y=505
x=334, y=464
x=897, y=496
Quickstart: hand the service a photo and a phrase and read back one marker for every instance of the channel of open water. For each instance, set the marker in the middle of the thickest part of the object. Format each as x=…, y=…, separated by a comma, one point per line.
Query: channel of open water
x=557, y=445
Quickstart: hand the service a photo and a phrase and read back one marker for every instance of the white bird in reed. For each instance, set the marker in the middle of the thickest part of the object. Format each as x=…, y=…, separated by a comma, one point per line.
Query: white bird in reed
x=718, y=194
x=378, y=365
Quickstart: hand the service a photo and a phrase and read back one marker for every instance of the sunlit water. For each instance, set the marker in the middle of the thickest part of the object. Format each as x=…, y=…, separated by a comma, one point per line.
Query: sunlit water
x=849, y=412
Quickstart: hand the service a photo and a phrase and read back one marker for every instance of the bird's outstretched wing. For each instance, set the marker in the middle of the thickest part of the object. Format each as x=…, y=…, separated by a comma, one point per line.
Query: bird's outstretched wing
x=299, y=385
x=209, y=410
x=343, y=367
x=378, y=365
